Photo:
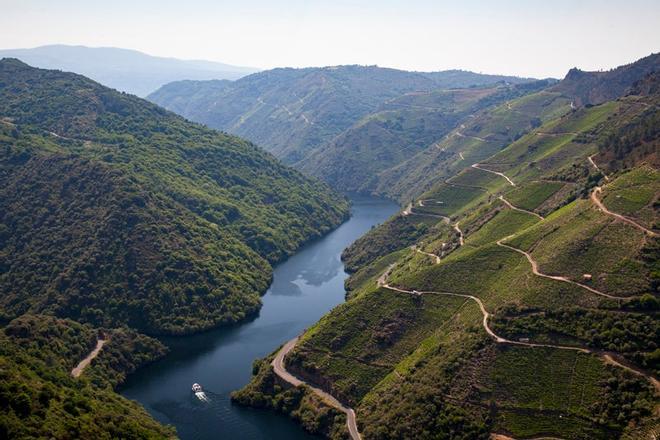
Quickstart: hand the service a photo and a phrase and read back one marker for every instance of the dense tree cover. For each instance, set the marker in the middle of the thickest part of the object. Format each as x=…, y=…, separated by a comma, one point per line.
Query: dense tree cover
x=266, y=391
x=635, y=142
x=40, y=399
x=115, y=211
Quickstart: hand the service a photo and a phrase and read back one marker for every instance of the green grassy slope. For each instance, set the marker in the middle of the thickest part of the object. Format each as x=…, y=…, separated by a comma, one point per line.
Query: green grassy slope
x=115, y=211
x=479, y=138
x=438, y=370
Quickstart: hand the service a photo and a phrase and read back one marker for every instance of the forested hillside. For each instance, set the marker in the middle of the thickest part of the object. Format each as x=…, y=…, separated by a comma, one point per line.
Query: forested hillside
x=40, y=398
x=290, y=111
x=515, y=296
x=115, y=211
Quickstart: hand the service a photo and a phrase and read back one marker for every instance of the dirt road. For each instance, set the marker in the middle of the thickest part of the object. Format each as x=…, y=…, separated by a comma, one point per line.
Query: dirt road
x=535, y=271
x=280, y=370
x=77, y=371
x=601, y=207
x=477, y=166
x=507, y=203
x=606, y=356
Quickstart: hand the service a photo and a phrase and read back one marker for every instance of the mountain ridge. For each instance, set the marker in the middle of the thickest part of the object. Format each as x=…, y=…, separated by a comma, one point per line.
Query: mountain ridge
x=126, y=70
x=289, y=111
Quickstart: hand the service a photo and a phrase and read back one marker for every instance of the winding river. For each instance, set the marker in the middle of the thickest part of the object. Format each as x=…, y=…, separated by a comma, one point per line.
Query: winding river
x=304, y=288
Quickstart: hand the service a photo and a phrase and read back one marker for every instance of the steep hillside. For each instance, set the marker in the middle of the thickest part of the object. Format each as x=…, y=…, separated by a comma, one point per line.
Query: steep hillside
x=41, y=399
x=495, y=127
x=517, y=296
x=115, y=211
x=476, y=138
x=401, y=128
x=123, y=69
x=290, y=111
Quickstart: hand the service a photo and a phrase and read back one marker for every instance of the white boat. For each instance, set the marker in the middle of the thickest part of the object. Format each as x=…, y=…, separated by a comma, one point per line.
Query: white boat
x=197, y=388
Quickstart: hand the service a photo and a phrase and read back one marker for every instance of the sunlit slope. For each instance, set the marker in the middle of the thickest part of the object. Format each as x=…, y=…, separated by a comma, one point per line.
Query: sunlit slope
x=545, y=300
x=399, y=129
x=476, y=139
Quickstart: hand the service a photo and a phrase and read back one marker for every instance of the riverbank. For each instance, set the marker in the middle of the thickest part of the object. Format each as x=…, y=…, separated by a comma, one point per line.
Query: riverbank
x=304, y=288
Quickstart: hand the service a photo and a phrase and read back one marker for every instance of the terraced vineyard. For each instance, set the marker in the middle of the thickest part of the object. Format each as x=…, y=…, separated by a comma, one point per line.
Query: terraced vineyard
x=517, y=297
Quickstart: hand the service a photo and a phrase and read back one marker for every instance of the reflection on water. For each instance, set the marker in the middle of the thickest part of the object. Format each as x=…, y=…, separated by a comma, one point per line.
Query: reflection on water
x=304, y=288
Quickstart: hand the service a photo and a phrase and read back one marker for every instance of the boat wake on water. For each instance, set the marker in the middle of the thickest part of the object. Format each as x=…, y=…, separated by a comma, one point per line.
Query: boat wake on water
x=199, y=393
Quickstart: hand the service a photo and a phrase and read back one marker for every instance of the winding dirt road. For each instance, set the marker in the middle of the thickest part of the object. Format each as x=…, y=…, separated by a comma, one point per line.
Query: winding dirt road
x=591, y=161
x=607, y=357
x=477, y=166
x=507, y=203
x=601, y=207
x=459, y=134
x=280, y=370
x=78, y=370
x=535, y=271
x=486, y=317
x=435, y=257
x=461, y=238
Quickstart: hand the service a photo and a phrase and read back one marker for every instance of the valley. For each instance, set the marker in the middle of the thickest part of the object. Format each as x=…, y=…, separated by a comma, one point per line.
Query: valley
x=343, y=252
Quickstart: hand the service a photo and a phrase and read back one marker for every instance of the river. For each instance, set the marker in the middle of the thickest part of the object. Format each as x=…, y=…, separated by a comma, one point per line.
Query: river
x=304, y=288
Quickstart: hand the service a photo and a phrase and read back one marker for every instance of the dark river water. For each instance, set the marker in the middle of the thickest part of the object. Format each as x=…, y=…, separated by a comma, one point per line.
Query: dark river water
x=305, y=287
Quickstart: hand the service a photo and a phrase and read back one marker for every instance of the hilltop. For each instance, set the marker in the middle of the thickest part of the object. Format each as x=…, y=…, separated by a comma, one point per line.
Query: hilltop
x=114, y=211
x=588, y=88
x=126, y=70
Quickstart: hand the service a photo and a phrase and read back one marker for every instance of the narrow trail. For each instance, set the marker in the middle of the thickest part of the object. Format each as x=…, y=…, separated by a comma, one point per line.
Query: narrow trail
x=602, y=208
x=461, y=238
x=477, y=166
x=507, y=203
x=281, y=371
x=535, y=271
x=486, y=316
x=591, y=161
x=435, y=257
x=609, y=359
x=460, y=153
x=558, y=133
x=459, y=134
x=78, y=370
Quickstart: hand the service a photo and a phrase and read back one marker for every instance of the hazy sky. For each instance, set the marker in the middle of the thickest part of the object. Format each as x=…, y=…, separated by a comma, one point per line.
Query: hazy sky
x=522, y=37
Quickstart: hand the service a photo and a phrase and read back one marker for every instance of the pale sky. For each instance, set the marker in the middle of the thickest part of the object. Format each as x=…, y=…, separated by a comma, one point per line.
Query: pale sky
x=520, y=37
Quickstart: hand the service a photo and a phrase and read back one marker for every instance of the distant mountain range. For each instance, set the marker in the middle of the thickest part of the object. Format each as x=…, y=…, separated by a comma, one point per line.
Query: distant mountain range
x=123, y=69
x=292, y=111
